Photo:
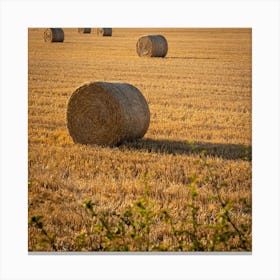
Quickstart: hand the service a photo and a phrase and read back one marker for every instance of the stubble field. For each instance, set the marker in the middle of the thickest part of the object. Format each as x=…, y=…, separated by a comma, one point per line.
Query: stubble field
x=186, y=186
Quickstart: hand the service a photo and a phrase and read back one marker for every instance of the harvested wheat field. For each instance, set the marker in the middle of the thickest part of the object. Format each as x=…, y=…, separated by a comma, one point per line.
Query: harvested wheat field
x=185, y=186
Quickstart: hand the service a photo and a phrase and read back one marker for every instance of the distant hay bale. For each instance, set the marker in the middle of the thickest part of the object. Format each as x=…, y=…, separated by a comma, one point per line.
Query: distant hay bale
x=152, y=46
x=84, y=30
x=54, y=35
x=105, y=113
x=104, y=31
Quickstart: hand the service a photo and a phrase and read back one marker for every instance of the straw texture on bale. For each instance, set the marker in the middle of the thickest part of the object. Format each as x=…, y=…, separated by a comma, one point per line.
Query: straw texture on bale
x=104, y=31
x=105, y=113
x=152, y=46
x=84, y=30
x=54, y=35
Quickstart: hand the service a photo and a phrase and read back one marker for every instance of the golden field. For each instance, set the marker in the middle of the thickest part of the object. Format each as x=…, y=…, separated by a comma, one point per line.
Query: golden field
x=194, y=161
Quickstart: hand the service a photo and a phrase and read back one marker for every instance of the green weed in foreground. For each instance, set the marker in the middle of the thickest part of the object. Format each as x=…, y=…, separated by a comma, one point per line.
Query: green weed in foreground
x=132, y=229
x=48, y=238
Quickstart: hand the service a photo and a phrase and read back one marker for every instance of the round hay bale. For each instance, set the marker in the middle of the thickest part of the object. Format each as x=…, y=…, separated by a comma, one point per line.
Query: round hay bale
x=54, y=35
x=104, y=31
x=84, y=30
x=105, y=113
x=152, y=46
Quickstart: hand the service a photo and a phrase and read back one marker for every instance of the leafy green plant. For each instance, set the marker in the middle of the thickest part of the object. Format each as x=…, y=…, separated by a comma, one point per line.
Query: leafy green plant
x=131, y=228
x=50, y=237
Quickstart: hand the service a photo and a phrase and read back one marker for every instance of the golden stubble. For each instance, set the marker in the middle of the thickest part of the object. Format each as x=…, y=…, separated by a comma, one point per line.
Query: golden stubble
x=200, y=102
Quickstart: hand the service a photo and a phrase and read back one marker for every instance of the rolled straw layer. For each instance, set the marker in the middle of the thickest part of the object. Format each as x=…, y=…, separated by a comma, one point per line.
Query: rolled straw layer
x=152, y=46
x=105, y=113
x=53, y=35
x=104, y=31
x=84, y=30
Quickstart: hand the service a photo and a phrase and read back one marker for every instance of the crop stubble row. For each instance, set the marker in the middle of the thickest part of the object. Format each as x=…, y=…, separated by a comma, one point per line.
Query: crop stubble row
x=201, y=92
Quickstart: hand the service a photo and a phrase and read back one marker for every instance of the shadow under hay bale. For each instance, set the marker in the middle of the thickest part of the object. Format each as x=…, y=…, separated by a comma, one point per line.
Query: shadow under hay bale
x=152, y=46
x=54, y=35
x=163, y=146
x=84, y=30
x=105, y=113
x=104, y=31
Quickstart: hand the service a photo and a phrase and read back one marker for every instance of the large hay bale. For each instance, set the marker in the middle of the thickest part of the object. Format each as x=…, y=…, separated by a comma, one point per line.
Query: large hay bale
x=84, y=30
x=54, y=35
x=152, y=46
x=107, y=113
x=104, y=31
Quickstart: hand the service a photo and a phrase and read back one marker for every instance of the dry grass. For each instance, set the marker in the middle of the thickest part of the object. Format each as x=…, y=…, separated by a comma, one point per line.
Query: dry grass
x=200, y=102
